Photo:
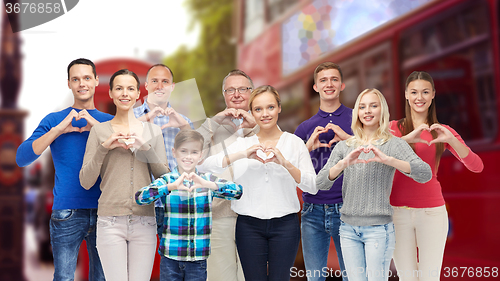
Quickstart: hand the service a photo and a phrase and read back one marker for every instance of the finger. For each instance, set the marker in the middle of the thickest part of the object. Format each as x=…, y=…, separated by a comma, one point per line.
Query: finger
x=437, y=140
x=334, y=140
x=423, y=141
x=323, y=144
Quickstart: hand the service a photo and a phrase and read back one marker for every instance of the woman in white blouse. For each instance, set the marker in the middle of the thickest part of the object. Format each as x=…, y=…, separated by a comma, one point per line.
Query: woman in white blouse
x=269, y=166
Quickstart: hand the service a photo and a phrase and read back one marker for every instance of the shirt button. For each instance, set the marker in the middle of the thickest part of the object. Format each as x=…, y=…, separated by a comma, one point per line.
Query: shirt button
x=330, y=115
x=131, y=169
x=131, y=182
x=330, y=121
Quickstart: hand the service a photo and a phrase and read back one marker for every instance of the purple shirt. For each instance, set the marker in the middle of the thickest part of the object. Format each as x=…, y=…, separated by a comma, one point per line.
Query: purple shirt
x=341, y=117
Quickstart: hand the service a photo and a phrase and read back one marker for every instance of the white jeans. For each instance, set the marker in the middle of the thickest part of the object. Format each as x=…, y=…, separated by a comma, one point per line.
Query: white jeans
x=223, y=264
x=427, y=229
x=126, y=246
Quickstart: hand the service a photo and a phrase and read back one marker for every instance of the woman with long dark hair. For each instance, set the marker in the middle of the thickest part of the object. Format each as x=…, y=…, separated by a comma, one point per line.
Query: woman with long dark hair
x=420, y=216
x=124, y=152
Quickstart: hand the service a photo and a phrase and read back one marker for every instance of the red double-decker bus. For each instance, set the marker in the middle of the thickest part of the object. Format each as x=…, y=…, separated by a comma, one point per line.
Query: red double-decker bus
x=378, y=44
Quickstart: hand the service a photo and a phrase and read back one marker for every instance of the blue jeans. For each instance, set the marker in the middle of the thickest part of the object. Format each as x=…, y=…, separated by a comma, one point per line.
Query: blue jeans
x=367, y=250
x=267, y=248
x=319, y=223
x=172, y=270
x=68, y=228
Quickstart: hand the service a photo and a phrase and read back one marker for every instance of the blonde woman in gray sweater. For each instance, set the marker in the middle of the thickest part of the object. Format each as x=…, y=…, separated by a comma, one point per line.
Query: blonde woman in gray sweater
x=368, y=161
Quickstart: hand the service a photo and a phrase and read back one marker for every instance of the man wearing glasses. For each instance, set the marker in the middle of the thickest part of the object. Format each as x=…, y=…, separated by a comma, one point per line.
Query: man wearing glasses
x=219, y=132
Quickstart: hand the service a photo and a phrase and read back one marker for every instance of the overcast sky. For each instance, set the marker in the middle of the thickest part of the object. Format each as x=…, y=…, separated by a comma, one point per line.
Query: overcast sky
x=96, y=30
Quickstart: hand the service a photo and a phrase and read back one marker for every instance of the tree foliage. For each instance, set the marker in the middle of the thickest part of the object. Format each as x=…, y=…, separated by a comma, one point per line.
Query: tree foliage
x=213, y=57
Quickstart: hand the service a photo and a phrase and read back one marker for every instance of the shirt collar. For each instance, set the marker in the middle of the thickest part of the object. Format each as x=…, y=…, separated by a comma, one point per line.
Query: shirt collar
x=337, y=112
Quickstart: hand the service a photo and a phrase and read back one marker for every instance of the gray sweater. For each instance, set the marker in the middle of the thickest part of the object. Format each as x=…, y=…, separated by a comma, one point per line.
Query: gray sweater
x=366, y=187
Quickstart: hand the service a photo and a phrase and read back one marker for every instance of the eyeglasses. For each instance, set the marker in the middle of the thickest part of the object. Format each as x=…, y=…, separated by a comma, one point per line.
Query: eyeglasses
x=232, y=91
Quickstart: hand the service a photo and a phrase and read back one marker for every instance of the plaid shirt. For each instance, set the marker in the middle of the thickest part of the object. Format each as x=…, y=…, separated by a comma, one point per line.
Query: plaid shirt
x=188, y=215
x=169, y=134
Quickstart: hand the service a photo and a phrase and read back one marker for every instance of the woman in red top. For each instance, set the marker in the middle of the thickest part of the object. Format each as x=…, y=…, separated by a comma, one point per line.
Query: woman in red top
x=420, y=216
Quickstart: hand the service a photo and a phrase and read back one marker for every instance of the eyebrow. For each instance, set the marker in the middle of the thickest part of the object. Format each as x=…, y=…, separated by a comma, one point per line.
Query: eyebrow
x=334, y=76
x=423, y=89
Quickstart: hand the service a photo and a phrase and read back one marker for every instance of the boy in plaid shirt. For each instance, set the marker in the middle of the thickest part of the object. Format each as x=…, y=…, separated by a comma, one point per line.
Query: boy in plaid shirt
x=187, y=196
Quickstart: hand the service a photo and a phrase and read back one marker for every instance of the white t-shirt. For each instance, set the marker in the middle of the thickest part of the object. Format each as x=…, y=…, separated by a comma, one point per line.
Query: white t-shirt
x=269, y=191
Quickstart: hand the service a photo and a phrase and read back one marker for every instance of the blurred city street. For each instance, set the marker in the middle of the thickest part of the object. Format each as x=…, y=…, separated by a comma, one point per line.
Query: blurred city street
x=34, y=269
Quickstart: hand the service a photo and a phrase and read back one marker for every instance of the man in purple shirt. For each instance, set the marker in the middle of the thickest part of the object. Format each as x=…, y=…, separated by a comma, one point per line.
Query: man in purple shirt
x=321, y=212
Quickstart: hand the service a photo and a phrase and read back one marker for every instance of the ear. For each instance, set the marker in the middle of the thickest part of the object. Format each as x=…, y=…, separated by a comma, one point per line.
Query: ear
x=279, y=108
x=68, y=85
x=406, y=94
x=97, y=81
x=342, y=87
x=173, y=86
x=315, y=88
x=110, y=94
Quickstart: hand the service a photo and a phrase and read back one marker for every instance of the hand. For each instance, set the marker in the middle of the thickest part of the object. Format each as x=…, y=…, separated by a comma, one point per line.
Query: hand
x=139, y=142
x=178, y=184
x=313, y=142
x=84, y=114
x=251, y=152
x=155, y=112
x=443, y=134
x=340, y=134
x=352, y=157
x=200, y=182
x=226, y=117
x=65, y=126
x=380, y=157
x=277, y=156
x=114, y=141
x=248, y=119
x=175, y=119
x=414, y=136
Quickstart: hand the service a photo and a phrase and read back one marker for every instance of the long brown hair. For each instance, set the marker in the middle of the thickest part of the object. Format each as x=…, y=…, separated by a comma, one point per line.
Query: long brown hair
x=405, y=125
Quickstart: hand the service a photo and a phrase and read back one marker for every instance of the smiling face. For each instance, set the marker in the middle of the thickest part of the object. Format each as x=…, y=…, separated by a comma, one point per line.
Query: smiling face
x=237, y=100
x=188, y=154
x=124, y=92
x=265, y=110
x=82, y=82
x=369, y=111
x=159, y=85
x=420, y=94
x=329, y=84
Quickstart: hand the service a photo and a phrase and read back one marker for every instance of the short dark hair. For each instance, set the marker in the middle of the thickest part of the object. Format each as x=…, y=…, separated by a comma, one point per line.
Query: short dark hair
x=83, y=61
x=327, y=65
x=236, y=72
x=188, y=135
x=160, y=64
x=123, y=72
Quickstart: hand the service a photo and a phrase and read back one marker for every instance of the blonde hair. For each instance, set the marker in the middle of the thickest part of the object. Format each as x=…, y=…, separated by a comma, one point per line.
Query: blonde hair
x=261, y=90
x=382, y=134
